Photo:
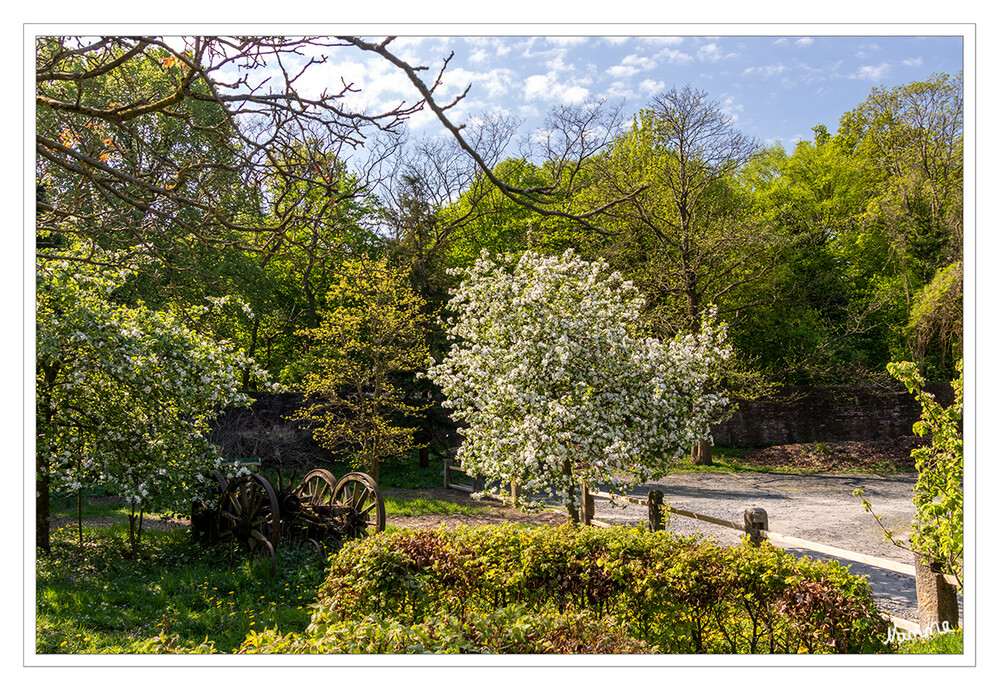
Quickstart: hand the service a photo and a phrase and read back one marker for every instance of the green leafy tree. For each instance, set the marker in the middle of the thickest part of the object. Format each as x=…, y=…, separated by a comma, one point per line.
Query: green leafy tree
x=910, y=139
x=124, y=396
x=938, y=527
x=815, y=318
x=371, y=338
x=686, y=239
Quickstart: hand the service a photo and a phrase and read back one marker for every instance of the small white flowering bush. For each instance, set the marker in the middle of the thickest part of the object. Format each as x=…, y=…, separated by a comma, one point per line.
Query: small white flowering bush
x=556, y=385
x=124, y=394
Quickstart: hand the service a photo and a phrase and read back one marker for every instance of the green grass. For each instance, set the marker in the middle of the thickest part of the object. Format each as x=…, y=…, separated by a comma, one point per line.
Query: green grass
x=728, y=459
x=94, y=600
x=945, y=643
x=404, y=473
x=95, y=505
x=427, y=506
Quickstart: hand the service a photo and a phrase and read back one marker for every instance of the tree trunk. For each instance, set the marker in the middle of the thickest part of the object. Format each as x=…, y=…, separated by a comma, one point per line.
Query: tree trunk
x=570, y=501
x=42, y=505
x=700, y=454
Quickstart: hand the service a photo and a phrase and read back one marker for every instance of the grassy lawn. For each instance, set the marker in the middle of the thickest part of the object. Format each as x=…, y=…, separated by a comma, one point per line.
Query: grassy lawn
x=95, y=600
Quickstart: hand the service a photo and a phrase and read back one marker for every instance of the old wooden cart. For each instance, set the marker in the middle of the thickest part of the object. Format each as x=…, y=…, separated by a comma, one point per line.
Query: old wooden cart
x=319, y=510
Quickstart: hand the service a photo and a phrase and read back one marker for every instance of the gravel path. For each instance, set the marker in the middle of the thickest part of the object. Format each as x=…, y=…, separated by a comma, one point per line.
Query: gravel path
x=817, y=507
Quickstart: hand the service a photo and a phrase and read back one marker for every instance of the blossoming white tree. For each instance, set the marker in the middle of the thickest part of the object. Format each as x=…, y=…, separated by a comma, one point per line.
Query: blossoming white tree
x=124, y=395
x=557, y=386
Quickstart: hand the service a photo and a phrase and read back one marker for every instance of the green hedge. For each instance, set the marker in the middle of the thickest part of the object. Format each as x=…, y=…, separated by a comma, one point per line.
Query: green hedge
x=512, y=630
x=676, y=594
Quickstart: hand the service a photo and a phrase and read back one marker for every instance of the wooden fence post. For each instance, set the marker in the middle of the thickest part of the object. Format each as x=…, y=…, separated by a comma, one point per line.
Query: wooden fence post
x=587, y=507
x=656, y=510
x=478, y=484
x=936, y=598
x=447, y=473
x=755, y=520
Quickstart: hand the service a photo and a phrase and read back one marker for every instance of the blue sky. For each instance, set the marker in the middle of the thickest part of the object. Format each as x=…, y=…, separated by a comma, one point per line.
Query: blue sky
x=776, y=88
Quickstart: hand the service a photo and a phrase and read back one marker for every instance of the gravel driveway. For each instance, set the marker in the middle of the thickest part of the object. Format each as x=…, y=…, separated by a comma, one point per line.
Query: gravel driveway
x=817, y=507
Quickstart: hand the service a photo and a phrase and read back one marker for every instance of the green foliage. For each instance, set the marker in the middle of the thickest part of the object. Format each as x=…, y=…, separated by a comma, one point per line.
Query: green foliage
x=936, y=324
x=512, y=630
x=945, y=643
x=174, y=597
x=938, y=527
x=372, y=335
x=678, y=594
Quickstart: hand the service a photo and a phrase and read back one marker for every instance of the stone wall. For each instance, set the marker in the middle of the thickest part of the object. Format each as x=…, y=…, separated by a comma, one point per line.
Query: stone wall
x=795, y=414
x=807, y=414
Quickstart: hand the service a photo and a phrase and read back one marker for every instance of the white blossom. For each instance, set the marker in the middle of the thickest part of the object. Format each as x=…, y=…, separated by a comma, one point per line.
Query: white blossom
x=555, y=384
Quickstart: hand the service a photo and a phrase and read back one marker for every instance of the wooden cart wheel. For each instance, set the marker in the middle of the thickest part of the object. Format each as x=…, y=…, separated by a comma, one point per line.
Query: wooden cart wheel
x=317, y=487
x=249, y=513
x=359, y=493
x=263, y=549
x=307, y=512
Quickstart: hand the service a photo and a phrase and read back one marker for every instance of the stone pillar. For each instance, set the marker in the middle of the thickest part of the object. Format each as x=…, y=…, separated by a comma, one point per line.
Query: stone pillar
x=936, y=597
x=755, y=519
x=656, y=510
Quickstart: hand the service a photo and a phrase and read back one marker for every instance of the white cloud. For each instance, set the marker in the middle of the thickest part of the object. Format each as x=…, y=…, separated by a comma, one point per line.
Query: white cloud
x=622, y=71
x=662, y=40
x=651, y=86
x=557, y=62
x=712, y=52
x=547, y=87
x=674, y=57
x=528, y=111
x=867, y=50
x=871, y=72
x=567, y=41
x=730, y=107
x=537, y=86
x=497, y=82
x=806, y=41
x=913, y=62
x=620, y=89
x=765, y=71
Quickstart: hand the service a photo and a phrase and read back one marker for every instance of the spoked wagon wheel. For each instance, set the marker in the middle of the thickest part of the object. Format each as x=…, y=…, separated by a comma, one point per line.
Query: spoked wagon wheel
x=311, y=516
x=364, y=510
x=249, y=513
x=317, y=488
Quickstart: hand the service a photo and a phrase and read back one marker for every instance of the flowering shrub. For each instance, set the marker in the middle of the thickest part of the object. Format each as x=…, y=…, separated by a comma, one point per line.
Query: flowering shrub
x=676, y=594
x=124, y=394
x=556, y=385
